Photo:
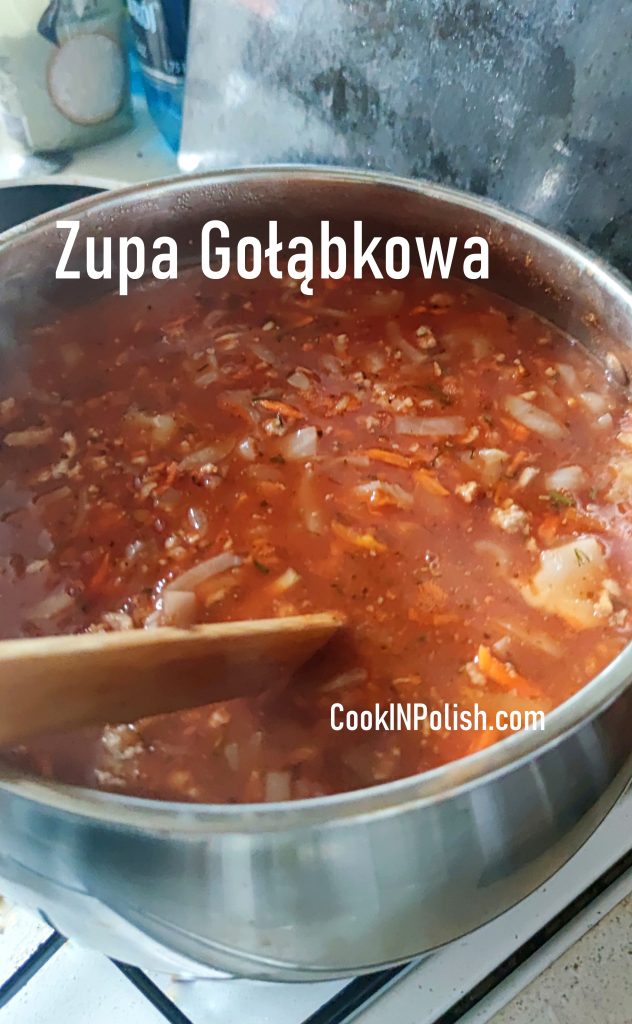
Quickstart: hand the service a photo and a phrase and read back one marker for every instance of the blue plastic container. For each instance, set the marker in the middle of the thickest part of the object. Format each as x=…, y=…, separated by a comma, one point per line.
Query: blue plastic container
x=160, y=29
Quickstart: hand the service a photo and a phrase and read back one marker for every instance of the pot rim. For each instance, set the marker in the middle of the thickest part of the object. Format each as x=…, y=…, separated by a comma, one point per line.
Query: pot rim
x=385, y=798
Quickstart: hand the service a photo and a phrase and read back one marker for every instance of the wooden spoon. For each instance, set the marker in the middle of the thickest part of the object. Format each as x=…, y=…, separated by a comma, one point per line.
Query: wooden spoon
x=50, y=684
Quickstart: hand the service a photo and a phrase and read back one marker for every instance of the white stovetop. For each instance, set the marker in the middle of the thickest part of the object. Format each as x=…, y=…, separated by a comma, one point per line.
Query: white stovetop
x=591, y=983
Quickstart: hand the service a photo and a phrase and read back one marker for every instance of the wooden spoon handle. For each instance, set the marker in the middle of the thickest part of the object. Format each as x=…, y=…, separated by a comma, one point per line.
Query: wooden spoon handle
x=50, y=684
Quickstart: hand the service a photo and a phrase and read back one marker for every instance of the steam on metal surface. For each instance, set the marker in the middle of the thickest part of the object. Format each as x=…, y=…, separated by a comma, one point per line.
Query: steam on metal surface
x=523, y=101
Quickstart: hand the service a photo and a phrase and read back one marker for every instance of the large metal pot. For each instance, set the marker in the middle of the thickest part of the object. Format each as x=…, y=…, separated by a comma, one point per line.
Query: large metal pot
x=326, y=887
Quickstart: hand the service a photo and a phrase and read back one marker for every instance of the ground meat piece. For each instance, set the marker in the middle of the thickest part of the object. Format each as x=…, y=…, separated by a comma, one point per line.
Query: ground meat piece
x=467, y=492
x=512, y=518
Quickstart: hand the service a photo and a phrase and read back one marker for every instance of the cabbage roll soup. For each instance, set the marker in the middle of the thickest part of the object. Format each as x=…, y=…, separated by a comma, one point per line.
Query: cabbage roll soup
x=442, y=466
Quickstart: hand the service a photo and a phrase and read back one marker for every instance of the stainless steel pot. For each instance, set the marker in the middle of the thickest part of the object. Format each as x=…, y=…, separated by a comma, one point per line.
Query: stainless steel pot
x=326, y=887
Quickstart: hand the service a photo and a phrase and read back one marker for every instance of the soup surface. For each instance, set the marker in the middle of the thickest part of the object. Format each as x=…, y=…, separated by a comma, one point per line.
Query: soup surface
x=438, y=464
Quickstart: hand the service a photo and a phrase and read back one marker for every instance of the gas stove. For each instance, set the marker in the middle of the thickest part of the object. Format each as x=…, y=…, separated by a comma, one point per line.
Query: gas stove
x=44, y=977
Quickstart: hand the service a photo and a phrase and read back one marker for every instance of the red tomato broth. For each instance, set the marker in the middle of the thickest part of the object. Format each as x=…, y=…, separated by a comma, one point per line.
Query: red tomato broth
x=146, y=435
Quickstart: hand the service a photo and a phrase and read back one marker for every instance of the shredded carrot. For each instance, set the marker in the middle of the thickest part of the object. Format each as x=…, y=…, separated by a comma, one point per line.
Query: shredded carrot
x=101, y=574
x=514, y=429
x=497, y=671
x=548, y=529
x=357, y=539
x=429, y=482
x=573, y=518
x=282, y=408
x=516, y=462
x=239, y=373
x=175, y=324
x=582, y=520
x=297, y=319
x=502, y=490
x=391, y=458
